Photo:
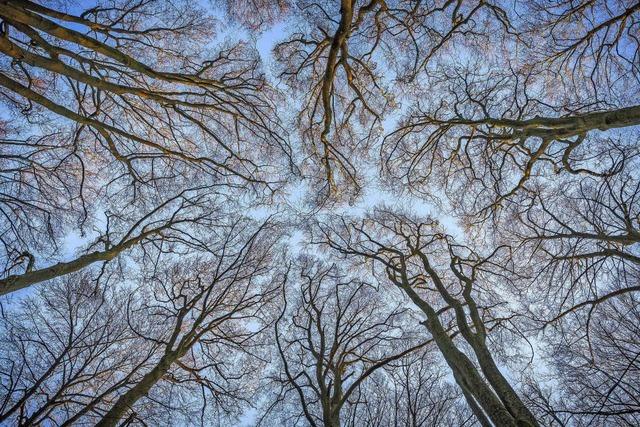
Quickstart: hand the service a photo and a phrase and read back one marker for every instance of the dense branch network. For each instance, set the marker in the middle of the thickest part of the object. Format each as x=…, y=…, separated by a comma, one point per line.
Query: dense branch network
x=324, y=213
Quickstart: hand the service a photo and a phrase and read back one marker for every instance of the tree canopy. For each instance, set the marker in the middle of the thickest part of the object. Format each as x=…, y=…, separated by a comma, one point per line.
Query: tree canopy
x=320, y=213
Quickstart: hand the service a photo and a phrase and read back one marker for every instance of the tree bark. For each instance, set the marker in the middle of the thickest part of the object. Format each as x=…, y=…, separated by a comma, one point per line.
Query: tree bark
x=16, y=282
x=465, y=373
x=503, y=389
x=127, y=400
x=560, y=127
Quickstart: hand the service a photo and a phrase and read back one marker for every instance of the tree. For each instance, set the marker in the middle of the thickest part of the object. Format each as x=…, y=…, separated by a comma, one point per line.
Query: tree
x=173, y=221
x=122, y=103
x=65, y=352
x=196, y=315
x=333, y=333
x=142, y=112
x=593, y=367
x=335, y=60
x=496, y=135
x=583, y=238
x=445, y=281
x=178, y=345
x=551, y=96
x=413, y=391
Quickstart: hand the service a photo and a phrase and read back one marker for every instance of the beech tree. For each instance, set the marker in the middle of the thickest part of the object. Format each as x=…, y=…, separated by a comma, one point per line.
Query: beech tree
x=65, y=352
x=445, y=281
x=493, y=135
x=560, y=103
x=195, y=315
x=333, y=333
x=120, y=101
x=312, y=212
x=334, y=59
x=176, y=346
x=173, y=221
x=583, y=239
x=152, y=96
x=413, y=391
x=598, y=366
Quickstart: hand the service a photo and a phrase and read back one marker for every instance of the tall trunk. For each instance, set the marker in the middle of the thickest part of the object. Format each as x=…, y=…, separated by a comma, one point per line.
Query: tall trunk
x=468, y=378
x=20, y=281
x=330, y=414
x=16, y=282
x=503, y=389
x=331, y=405
x=473, y=404
x=333, y=420
x=127, y=400
x=341, y=34
x=464, y=371
x=563, y=127
x=497, y=383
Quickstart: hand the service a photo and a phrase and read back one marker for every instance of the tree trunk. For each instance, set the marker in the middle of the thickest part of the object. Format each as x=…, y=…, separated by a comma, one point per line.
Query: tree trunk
x=20, y=281
x=503, y=389
x=127, y=400
x=468, y=378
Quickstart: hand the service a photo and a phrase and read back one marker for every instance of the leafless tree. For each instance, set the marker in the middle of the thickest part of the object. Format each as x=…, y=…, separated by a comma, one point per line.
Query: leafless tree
x=596, y=40
x=452, y=285
x=494, y=134
x=40, y=187
x=342, y=59
x=593, y=367
x=583, y=239
x=198, y=316
x=64, y=352
x=413, y=391
x=172, y=222
x=176, y=346
x=122, y=103
x=134, y=75
x=334, y=332
x=581, y=290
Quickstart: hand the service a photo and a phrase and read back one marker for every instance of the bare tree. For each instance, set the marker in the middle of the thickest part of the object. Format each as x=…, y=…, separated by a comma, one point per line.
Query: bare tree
x=333, y=333
x=496, y=134
x=413, y=391
x=593, y=367
x=40, y=187
x=596, y=40
x=172, y=221
x=197, y=315
x=122, y=102
x=581, y=249
x=450, y=284
x=342, y=60
x=140, y=83
x=65, y=351
x=177, y=345
x=583, y=238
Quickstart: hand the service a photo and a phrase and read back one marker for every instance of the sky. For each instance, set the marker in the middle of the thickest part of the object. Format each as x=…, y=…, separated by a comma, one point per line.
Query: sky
x=374, y=194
